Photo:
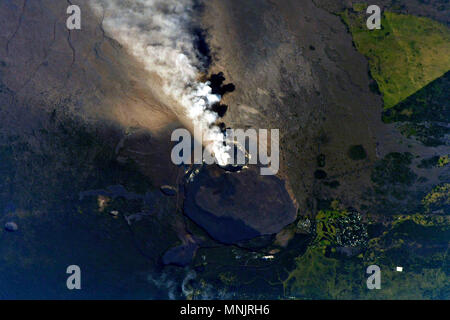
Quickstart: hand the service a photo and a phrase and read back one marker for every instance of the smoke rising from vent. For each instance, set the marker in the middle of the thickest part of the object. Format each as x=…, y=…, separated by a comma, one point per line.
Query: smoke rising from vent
x=159, y=34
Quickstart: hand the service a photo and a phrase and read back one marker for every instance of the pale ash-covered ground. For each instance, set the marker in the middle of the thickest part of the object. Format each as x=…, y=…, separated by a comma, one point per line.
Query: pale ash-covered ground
x=83, y=74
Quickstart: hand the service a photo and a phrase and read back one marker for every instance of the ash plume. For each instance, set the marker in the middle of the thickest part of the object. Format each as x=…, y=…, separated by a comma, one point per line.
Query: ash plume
x=159, y=34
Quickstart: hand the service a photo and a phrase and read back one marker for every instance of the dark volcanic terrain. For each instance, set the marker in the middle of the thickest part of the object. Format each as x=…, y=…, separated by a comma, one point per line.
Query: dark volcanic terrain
x=85, y=156
x=295, y=68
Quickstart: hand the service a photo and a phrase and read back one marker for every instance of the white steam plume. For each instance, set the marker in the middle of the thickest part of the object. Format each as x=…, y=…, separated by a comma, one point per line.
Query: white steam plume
x=157, y=33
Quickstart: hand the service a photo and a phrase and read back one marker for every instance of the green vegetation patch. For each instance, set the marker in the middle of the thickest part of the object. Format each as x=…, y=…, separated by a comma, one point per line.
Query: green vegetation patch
x=406, y=54
x=431, y=103
x=425, y=114
x=394, y=184
x=394, y=169
x=419, y=242
x=357, y=152
x=339, y=228
x=443, y=161
x=438, y=199
x=435, y=161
